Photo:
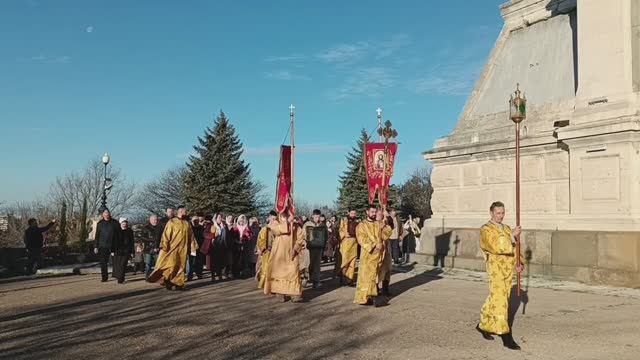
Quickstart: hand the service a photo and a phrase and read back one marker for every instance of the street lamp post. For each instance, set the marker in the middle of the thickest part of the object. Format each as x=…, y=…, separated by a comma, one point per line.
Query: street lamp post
x=105, y=160
x=517, y=113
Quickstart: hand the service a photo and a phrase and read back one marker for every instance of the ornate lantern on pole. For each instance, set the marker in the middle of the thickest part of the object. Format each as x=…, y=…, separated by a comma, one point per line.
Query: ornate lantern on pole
x=517, y=113
x=105, y=161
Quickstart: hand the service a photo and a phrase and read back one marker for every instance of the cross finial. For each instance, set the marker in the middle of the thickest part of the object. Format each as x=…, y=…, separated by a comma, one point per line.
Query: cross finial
x=291, y=108
x=379, y=111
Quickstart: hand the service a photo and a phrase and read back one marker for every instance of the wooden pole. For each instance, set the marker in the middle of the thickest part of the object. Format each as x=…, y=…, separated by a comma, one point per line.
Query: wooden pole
x=383, y=193
x=293, y=151
x=518, y=204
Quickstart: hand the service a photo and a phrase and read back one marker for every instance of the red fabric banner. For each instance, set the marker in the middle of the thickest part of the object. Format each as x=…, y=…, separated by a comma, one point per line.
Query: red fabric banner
x=374, y=156
x=284, y=198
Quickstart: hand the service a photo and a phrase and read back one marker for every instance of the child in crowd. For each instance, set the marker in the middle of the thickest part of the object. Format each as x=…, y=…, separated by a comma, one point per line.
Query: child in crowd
x=138, y=258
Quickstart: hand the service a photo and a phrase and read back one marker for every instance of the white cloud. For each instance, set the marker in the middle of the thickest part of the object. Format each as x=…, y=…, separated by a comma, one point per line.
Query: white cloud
x=344, y=53
x=448, y=80
x=89, y=29
x=285, y=75
x=293, y=57
x=62, y=59
x=391, y=46
x=369, y=82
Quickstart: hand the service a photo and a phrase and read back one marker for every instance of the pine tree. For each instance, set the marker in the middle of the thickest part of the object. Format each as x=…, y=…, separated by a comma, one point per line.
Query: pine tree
x=216, y=178
x=84, y=232
x=62, y=239
x=353, y=191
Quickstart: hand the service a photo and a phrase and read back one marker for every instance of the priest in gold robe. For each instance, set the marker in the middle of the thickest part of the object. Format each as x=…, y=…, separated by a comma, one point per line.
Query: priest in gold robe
x=348, y=248
x=265, y=243
x=497, y=242
x=283, y=272
x=177, y=242
x=373, y=235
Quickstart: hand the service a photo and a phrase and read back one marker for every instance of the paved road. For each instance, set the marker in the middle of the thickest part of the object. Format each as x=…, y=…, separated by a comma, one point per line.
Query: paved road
x=431, y=316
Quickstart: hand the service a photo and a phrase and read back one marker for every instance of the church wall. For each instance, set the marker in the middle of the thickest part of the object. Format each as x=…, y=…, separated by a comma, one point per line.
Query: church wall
x=578, y=63
x=592, y=257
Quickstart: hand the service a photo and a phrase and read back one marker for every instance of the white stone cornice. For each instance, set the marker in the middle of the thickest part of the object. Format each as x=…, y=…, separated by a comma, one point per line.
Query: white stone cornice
x=522, y=13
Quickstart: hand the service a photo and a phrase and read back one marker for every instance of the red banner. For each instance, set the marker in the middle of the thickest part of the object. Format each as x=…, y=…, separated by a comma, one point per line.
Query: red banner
x=284, y=198
x=376, y=165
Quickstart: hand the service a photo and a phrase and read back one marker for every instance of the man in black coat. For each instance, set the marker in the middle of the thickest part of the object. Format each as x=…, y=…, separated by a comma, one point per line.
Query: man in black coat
x=107, y=234
x=34, y=241
x=152, y=236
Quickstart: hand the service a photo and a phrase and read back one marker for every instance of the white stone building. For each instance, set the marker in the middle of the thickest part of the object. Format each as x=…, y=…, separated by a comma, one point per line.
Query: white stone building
x=578, y=62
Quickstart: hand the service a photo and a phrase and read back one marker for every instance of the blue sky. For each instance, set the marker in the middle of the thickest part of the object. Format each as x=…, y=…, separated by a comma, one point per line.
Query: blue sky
x=142, y=79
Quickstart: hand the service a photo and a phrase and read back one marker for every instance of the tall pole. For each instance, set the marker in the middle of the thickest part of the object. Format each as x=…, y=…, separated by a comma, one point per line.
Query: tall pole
x=518, y=204
x=518, y=112
x=103, y=206
x=293, y=147
x=379, y=112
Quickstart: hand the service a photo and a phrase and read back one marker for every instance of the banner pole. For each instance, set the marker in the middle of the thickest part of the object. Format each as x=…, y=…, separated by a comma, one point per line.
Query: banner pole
x=293, y=152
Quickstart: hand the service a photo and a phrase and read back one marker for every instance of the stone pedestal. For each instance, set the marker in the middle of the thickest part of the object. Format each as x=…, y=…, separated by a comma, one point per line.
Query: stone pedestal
x=579, y=65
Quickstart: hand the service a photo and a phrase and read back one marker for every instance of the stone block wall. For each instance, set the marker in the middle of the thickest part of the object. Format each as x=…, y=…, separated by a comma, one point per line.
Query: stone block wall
x=611, y=258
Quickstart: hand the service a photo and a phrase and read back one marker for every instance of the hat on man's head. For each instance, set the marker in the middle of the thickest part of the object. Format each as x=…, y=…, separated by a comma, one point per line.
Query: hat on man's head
x=122, y=219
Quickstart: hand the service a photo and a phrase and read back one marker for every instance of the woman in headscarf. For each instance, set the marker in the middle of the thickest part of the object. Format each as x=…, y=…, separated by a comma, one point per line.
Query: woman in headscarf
x=241, y=234
x=250, y=250
x=411, y=238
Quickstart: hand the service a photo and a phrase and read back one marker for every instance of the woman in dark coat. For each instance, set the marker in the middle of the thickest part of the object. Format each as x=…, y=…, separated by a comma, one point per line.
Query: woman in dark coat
x=249, y=249
x=122, y=249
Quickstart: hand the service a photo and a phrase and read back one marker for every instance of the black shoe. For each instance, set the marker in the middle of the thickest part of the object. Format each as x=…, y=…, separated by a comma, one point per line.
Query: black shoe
x=508, y=342
x=385, y=288
x=378, y=302
x=485, y=335
x=104, y=280
x=168, y=285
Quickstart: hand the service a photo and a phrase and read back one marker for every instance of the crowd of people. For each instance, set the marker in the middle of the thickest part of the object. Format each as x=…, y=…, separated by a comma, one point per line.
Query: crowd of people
x=285, y=254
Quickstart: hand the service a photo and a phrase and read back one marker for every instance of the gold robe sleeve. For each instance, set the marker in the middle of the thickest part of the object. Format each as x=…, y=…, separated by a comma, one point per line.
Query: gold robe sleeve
x=496, y=242
x=262, y=240
x=167, y=234
x=344, y=231
x=301, y=242
x=386, y=233
x=192, y=240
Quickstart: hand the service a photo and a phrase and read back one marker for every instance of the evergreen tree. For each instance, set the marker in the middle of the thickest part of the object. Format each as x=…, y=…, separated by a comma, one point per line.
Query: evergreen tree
x=62, y=239
x=216, y=178
x=84, y=232
x=353, y=191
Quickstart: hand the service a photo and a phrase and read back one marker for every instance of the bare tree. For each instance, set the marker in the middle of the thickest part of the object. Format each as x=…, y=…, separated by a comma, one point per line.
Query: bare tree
x=165, y=191
x=75, y=187
x=305, y=208
x=19, y=213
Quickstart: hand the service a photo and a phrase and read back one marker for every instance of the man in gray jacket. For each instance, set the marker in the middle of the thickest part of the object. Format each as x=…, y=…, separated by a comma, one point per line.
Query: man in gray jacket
x=316, y=236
